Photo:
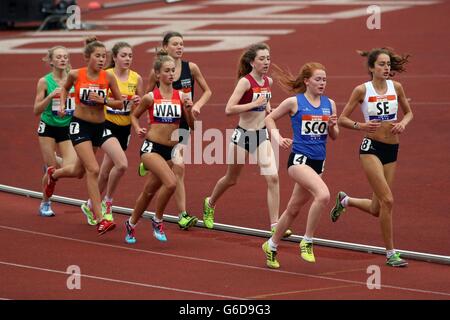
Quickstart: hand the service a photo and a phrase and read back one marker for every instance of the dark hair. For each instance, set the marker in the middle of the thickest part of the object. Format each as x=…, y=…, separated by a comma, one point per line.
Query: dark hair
x=168, y=35
x=292, y=84
x=161, y=57
x=244, y=66
x=91, y=43
x=115, y=51
x=397, y=61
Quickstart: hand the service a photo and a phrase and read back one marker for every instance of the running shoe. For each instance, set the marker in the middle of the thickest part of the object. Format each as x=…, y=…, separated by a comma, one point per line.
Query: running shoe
x=158, y=231
x=141, y=170
x=129, y=238
x=45, y=209
x=271, y=260
x=105, y=226
x=306, y=251
x=338, y=209
x=107, y=210
x=396, y=261
x=185, y=221
x=208, y=214
x=89, y=214
x=286, y=234
x=51, y=182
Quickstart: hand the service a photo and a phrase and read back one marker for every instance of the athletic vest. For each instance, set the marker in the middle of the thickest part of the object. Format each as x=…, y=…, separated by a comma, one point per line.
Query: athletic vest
x=185, y=83
x=310, y=126
x=255, y=91
x=127, y=89
x=380, y=107
x=163, y=110
x=84, y=85
x=50, y=114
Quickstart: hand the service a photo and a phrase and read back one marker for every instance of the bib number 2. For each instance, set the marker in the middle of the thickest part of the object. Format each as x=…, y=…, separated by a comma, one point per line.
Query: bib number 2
x=147, y=147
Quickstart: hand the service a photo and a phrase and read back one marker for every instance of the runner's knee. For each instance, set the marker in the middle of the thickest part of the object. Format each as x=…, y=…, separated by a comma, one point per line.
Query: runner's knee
x=272, y=180
x=322, y=198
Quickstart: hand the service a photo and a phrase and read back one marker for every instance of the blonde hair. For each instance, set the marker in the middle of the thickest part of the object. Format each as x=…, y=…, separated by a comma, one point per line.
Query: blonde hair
x=162, y=56
x=49, y=56
x=291, y=84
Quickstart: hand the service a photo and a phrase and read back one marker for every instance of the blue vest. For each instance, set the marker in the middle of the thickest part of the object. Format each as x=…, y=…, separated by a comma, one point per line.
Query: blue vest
x=310, y=126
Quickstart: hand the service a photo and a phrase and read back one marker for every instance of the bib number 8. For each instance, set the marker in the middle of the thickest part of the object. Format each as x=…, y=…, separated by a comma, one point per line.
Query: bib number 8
x=41, y=128
x=365, y=145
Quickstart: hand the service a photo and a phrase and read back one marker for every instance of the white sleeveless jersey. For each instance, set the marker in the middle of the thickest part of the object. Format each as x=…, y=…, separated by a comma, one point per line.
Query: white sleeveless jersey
x=380, y=107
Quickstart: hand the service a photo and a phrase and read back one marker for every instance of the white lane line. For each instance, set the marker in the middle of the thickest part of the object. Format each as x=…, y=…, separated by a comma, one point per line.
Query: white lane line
x=139, y=284
x=221, y=262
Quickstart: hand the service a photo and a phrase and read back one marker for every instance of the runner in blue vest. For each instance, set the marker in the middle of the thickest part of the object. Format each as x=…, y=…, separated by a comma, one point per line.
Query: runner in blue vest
x=313, y=119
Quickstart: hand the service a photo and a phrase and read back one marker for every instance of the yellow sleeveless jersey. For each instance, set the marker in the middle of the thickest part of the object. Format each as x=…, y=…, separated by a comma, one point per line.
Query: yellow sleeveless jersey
x=121, y=117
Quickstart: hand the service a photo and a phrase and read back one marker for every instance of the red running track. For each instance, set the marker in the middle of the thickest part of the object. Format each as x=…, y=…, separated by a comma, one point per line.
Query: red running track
x=234, y=264
x=197, y=264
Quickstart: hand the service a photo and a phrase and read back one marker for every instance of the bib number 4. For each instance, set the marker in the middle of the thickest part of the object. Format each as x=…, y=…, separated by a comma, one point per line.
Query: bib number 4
x=300, y=159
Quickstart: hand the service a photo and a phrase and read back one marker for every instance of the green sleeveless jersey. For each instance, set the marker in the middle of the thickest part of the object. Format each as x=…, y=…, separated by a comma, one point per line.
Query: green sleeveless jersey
x=50, y=114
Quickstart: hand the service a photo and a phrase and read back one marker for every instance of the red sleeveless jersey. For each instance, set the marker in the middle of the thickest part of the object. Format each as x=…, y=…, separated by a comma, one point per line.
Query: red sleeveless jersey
x=165, y=110
x=255, y=91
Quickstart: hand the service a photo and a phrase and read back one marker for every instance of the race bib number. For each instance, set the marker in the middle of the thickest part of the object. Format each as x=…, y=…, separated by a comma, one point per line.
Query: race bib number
x=266, y=132
x=382, y=108
x=315, y=127
x=74, y=128
x=84, y=95
x=126, y=109
x=365, y=144
x=257, y=92
x=41, y=127
x=236, y=136
x=128, y=140
x=106, y=132
x=147, y=147
x=299, y=159
x=166, y=111
x=187, y=92
x=70, y=104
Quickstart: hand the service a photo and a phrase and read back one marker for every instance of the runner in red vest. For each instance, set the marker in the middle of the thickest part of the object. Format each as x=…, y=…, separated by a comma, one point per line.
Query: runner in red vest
x=166, y=106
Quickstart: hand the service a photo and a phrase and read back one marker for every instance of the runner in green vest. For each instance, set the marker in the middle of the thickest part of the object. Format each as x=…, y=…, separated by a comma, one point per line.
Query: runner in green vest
x=53, y=130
